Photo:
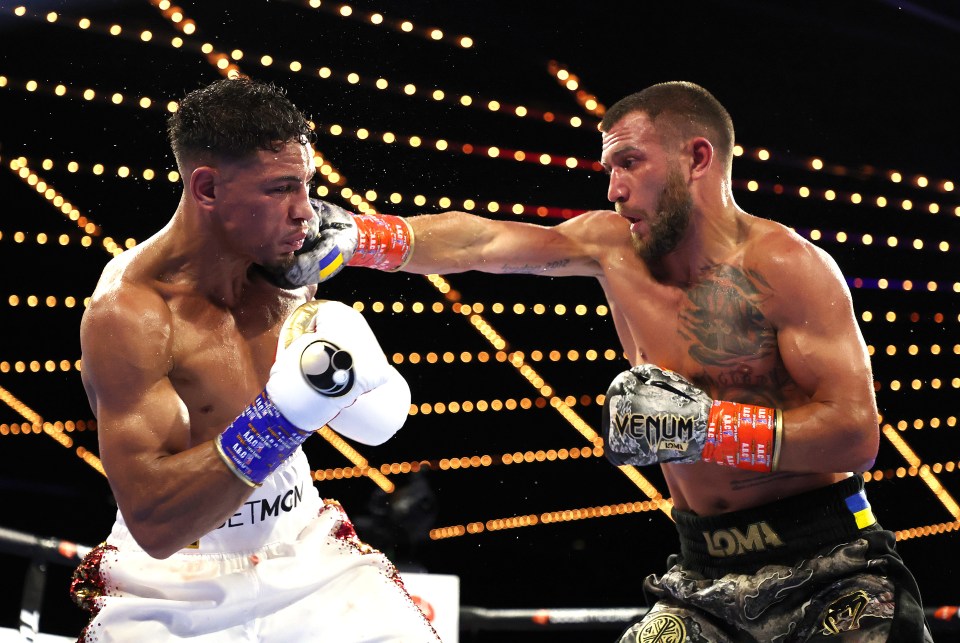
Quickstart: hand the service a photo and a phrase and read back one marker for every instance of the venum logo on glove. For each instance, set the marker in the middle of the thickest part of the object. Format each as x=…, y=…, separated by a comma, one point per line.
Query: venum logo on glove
x=328, y=368
x=661, y=430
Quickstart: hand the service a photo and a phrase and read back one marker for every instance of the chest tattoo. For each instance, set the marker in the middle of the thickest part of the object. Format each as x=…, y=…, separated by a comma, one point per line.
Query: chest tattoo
x=722, y=318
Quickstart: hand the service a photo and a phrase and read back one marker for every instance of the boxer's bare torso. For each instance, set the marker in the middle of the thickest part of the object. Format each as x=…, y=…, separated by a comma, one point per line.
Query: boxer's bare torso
x=764, y=320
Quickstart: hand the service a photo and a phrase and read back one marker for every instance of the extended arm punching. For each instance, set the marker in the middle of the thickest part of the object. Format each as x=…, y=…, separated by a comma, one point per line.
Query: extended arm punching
x=450, y=242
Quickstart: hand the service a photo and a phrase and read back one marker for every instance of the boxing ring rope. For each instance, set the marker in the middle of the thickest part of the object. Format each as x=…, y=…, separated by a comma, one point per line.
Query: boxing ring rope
x=42, y=551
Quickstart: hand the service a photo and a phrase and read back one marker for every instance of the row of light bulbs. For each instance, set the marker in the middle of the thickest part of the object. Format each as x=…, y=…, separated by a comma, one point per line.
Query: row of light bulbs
x=327, y=171
x=56, y=430
x=910, y=472
x=563, y=75
x=453, y=464
x=25, y=428
x=226, y=63
x=499, y=308
x=434, y=34
x=530, y=520
x=852, y=198
x=66, y=208
x=589, y=102
x=924, y=473
x=570, y=162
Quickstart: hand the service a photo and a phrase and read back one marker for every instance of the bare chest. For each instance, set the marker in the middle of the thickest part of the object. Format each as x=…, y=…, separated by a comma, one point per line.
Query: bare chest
x=222, y=360
x=714, y=333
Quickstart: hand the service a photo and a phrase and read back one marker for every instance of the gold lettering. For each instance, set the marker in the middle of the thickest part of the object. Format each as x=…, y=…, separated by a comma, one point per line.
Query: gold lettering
x=730, y=542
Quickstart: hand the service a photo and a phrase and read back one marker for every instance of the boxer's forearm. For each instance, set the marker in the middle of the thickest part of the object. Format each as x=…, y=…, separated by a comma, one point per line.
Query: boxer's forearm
x=451, y=242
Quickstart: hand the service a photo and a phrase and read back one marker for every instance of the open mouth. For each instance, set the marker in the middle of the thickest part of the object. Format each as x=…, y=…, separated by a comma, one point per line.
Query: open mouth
x=295, y=243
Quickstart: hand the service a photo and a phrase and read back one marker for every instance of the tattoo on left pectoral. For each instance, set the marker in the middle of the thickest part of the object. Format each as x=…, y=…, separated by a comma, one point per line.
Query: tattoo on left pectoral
x=527, y=269
x=723, y=321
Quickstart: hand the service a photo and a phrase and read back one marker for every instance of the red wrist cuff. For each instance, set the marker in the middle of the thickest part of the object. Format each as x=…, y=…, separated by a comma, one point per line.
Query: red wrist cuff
x=385, y=242
x=745, y=436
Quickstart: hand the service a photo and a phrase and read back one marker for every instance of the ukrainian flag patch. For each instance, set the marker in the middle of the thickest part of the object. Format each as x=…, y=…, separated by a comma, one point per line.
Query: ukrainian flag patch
x=859, y=506
x=329, y=263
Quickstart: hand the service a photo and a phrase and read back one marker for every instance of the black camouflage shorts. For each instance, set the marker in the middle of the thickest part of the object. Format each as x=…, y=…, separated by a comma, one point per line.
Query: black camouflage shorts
x=766, y=575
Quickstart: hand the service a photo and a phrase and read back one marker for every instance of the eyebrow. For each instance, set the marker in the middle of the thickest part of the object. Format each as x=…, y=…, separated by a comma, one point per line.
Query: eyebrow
x=290, y=178
x=615, y=153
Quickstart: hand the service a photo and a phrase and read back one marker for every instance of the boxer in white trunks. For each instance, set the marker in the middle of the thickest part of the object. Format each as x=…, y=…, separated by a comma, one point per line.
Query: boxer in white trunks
x=205, y=379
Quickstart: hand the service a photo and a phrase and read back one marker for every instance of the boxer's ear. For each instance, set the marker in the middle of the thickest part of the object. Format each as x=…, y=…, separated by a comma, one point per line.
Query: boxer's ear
x=203, y=184
x=702, y=156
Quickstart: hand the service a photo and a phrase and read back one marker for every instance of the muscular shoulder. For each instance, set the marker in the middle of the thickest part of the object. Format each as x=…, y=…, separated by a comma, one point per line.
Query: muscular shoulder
x=600, y=227
x=126, y=318
x=599, y=234
x=797, y=274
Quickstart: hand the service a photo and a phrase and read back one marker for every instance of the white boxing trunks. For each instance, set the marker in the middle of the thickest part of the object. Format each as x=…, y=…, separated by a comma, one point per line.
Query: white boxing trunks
x=287, y=567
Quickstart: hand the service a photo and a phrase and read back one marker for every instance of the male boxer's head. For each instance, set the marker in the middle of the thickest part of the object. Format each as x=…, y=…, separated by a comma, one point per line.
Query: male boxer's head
x=649, y=139
x=244, y=153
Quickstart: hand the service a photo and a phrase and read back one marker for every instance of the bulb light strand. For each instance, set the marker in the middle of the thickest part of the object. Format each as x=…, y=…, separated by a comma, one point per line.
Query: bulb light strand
x=43, y=238
x=462, y=462
x=540, y=158
x=27, y=428
x=53, y=429
x=403, y=27
x=906, y=285
x=546, y=518
x=867, y=239
x=849, y=198
x=34, y=180
x=225, y=63
x=902, y=472
x=101, y=169
x=520, y=309
x=358, y=460
x=810, y=163
x=57, y=200
x=217, y=59
x=924, y=472
x=863, y=173
x=927, y=530
x=222, y=62
x=571, y=82
x=36, y=366
x=445, y=145
x=498, y=342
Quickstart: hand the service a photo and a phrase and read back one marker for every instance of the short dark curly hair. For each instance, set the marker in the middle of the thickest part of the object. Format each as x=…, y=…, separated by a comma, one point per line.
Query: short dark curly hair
x=234, y=118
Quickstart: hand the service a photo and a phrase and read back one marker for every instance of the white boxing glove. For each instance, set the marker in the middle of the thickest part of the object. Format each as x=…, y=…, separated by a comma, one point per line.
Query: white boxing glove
x=330, y=369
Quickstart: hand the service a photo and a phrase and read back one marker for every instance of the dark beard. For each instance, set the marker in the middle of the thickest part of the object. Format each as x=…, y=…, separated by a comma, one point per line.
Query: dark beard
x=282, y=266
x=674, y=208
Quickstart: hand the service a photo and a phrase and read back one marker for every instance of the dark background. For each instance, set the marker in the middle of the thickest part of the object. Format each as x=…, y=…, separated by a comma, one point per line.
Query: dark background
x=867, y=86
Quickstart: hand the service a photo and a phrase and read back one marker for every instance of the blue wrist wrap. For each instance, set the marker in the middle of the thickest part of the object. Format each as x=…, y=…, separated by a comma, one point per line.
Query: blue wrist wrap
x=258, y=441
